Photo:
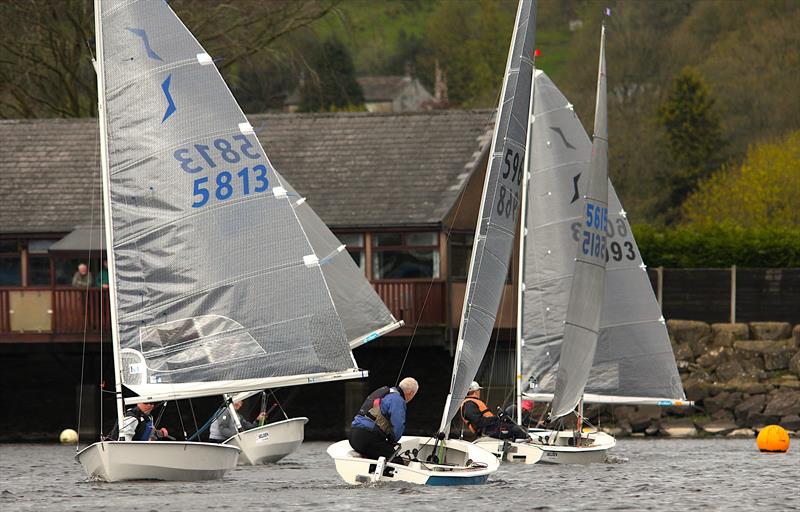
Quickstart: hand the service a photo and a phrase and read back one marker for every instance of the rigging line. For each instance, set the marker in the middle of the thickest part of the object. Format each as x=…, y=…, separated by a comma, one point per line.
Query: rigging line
x=180, y=417
x=86, y=318
x=496, y=344
x=194, y=418
x=278, y=403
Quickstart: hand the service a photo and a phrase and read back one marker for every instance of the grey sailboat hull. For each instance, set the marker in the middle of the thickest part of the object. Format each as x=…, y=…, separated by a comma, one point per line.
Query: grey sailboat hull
x=116, y=461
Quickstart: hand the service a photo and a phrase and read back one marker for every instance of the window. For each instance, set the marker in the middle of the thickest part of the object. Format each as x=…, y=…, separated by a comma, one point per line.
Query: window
x=460, y=253
x=66, y=268
x=405, y=255
x=355, y=246
x=39, y=262
x=10, y=263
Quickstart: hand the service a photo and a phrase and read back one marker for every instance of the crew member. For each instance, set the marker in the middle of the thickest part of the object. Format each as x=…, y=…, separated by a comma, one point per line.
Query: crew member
x=482, y=422
x=137, y=425
x=225, y=425
x=381, y=420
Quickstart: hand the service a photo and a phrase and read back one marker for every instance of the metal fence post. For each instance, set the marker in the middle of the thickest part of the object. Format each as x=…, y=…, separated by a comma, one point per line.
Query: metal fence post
x=733, y=294
x=660, y=287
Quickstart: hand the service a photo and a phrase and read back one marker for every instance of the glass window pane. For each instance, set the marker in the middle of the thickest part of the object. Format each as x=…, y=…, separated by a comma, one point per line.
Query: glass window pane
x=460, y=253
x=405, y=264
x=358, y=257
x=10, y=271
x=384, y=239
x=351, y=239
x=38, y=271
x=66, y=269
x=7, y=246
x=430, y=238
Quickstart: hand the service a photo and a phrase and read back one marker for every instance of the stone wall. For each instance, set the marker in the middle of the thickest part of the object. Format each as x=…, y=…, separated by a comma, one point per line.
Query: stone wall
x=741, y=377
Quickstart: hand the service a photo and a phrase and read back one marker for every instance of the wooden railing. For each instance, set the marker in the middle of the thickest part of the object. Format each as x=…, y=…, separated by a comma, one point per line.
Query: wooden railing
x=5, y=308
x=407, y=301
x=75, y=310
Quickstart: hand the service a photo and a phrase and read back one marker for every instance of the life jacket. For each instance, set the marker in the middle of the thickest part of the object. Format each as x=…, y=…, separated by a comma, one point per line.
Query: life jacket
x=371, y=408
x=482, y=409
x=144, y=426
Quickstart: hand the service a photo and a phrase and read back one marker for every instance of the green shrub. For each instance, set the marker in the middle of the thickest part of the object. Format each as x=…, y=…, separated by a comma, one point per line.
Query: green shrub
x=718, y=246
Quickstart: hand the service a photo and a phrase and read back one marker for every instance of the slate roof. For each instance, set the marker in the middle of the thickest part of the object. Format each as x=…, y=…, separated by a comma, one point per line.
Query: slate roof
x=375, y=88
x=355, y=169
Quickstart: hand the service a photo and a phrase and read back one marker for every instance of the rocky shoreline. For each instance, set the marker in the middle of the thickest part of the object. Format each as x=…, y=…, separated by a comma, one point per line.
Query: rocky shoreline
x=741, y=376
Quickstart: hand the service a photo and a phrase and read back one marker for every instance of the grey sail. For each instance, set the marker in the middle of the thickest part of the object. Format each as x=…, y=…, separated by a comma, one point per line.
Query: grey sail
x=224, y=279
x=634, y=356
x=496, y=226
x=584, y=306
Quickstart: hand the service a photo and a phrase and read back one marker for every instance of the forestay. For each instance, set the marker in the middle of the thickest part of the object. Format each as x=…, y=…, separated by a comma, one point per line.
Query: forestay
x=225, y=279
x=634, y=356
x=494, y=235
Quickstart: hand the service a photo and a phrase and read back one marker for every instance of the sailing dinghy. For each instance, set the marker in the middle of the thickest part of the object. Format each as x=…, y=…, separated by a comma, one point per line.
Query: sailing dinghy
x=222, y=279
x=437, y=460
x=633, y=362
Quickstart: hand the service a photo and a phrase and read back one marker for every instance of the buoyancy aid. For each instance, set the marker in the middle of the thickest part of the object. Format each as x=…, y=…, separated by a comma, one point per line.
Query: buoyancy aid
x=144, y=425
x=482, y=409
x=371, y=408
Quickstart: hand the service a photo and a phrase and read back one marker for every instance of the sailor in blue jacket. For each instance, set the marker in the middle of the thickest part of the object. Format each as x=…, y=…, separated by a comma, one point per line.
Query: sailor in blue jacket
x=381, y=420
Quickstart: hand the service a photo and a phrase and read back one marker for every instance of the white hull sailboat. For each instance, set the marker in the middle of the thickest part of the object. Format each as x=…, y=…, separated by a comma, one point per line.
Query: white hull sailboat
x=209, y=249
x=564, y=446
x=632, y=360
x=510, y=451
x=437, y=460
x=115, y=461
x=462, y=463
x=269, y=443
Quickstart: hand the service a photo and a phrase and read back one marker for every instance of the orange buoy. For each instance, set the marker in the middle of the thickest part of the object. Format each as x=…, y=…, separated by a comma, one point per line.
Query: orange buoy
x=773, y=438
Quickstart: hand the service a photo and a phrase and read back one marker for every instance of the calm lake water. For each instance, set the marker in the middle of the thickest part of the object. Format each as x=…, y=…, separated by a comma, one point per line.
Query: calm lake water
x=701, y=474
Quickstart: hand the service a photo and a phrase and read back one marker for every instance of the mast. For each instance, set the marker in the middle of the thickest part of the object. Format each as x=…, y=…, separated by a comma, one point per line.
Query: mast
x=112, y=293
x=523, y=233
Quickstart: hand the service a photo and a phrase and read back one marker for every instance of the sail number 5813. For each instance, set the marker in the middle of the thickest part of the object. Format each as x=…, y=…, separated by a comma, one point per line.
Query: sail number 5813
x=226, y=184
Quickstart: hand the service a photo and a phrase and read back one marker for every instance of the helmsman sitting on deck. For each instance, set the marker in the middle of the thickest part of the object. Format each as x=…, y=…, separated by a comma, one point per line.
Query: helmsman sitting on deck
x=137, y=425
x=381, y=420
x=482, y=422
x=224, y=426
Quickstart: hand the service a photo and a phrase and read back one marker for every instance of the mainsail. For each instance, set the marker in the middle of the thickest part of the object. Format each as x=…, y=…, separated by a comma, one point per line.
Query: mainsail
x=225, y=280
x=633, y=360
x=582, y=324
x=494, y=234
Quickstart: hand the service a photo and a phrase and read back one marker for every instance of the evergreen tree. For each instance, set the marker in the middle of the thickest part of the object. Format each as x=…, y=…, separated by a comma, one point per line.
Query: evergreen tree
x=333, y=85
x=693, y=134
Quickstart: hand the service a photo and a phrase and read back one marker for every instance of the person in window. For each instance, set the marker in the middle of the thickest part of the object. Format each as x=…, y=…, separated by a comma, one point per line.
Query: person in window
x=137, y=425
x=82, y=278
x=102, y=276
x=381, y=420
x=224, y=426
x=482, y=422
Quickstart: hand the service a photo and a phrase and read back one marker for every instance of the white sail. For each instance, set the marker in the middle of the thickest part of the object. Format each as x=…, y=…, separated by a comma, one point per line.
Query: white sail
x=634, y=358
x=584, y=306
x=224, y=279
x=494, y=234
